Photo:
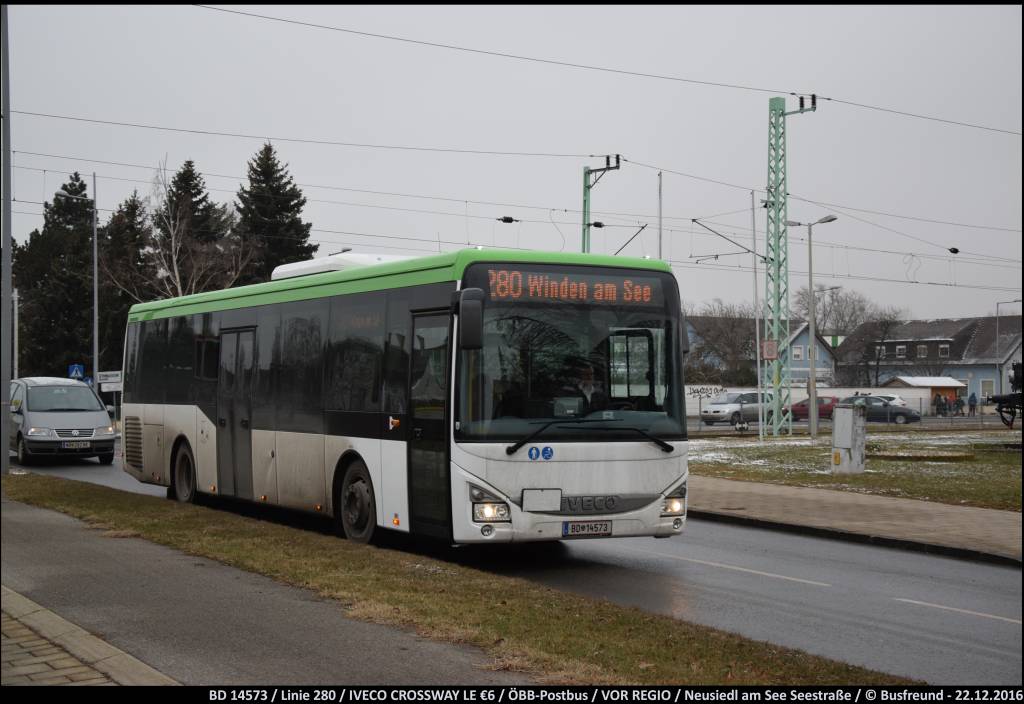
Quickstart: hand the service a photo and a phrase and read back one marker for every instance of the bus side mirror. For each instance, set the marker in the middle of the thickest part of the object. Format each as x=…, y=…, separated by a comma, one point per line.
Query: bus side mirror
x=471, y=318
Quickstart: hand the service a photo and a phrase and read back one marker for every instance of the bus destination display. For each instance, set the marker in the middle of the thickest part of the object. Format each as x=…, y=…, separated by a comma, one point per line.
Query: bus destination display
x=516, y=285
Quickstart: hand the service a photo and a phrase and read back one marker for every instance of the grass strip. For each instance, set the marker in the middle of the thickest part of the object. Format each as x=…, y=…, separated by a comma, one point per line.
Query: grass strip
x=552, y=635
x=991, y=478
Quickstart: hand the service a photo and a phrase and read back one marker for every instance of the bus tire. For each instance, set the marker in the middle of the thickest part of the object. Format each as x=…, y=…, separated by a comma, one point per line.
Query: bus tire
x=355, y=512
x=183, y=476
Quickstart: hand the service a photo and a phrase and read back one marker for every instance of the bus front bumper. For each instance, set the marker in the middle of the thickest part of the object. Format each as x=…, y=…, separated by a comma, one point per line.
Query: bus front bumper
x=526, y=526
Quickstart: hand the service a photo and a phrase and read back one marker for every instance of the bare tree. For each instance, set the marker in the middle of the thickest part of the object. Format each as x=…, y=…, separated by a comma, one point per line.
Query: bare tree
x=187, y=264
x=862, y=355
x=726, y=344
x=838, y=311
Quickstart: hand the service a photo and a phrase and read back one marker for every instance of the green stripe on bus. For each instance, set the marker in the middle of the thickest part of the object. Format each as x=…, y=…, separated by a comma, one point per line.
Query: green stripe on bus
x=449, y=266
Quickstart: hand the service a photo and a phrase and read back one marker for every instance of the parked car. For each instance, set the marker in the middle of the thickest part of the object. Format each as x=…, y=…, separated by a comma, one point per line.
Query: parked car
x=893, y=399
x=733, y=407
x=801, y=410
x=53, y=417
x=881, y=411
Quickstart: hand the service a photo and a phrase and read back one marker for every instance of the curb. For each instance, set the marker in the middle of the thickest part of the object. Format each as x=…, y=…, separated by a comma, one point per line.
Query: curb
x=116, y=664
x=863, y=538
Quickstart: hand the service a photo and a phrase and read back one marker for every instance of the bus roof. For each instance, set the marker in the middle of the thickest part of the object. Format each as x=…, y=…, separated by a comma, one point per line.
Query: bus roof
x=448, y=266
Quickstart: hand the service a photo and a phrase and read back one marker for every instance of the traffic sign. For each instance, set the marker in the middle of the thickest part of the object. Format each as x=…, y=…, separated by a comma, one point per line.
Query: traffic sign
x=769, y=350
x=109, y=386
x=108, y=377
x=76, y=371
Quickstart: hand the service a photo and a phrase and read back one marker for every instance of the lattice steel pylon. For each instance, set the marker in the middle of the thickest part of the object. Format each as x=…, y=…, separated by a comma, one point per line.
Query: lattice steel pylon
x=776, y=298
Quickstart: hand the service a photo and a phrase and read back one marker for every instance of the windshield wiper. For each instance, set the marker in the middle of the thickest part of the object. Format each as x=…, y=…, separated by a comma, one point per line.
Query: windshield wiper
x=61, y=410
x=665, y=447
x=512, y=449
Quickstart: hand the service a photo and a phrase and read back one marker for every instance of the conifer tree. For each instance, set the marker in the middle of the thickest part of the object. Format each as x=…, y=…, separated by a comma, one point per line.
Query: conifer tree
x=53, y=274
x=126, y=276
x=269, y=211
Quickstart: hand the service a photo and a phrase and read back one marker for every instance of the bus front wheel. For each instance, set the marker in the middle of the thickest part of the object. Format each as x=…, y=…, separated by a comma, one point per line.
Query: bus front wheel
x=355, y=506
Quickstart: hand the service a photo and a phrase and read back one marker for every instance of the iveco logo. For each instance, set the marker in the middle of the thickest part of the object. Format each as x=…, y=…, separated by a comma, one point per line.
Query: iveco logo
x=75, y=433
x=589, y=504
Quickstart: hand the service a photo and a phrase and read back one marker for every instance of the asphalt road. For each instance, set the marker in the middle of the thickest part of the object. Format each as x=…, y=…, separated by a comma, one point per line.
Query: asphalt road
x=937, y=619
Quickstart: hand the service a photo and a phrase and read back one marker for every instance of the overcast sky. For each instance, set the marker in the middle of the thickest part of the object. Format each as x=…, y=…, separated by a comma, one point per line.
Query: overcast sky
x=199, y=69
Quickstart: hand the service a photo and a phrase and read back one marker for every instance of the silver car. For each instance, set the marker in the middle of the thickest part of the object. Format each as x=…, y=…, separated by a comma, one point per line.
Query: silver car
x=54, y=417
x=732, y=407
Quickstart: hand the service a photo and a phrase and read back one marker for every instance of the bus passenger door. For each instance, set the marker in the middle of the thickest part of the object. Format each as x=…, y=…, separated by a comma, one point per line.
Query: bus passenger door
x=429, y=482
x=234, y=413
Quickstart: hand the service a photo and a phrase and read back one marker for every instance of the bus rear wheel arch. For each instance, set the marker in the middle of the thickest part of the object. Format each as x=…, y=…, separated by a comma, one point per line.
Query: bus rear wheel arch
x=355, y=506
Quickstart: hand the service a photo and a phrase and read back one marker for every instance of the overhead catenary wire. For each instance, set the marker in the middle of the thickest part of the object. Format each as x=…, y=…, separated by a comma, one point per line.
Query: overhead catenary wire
x=742, y=234
x=545, y=208
x=301, y=140
x=605, y=69
x=673, y=262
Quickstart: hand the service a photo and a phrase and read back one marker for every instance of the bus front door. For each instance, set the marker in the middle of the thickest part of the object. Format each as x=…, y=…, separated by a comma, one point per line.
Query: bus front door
x=429, y=483
x=234, y=413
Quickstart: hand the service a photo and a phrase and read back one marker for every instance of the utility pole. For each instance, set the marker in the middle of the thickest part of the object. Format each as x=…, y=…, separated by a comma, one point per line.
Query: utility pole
x=757, y=322
x=95, y=291
x=659, y=216
x=14, y=372
x=777, y=269
x=5, y=255
x=587, y=185
x=812, y=361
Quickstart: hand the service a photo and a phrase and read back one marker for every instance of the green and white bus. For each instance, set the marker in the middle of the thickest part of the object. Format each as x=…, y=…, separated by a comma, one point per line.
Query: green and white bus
x=474, y=396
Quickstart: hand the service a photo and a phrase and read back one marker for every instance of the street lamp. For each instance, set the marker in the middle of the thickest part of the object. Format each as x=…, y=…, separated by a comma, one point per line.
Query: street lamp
x=95, y=283
x=999, y=369
x=812, y=376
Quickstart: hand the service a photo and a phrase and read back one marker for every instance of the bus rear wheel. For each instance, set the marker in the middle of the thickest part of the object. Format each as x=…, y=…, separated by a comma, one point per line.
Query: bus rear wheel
x=355, y=512
x=183, y=480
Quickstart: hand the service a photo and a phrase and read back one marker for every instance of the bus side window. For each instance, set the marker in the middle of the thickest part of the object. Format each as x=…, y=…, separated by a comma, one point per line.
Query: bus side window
x=396, y=353
x=131, y=361
x=355, y=354
x=152, y=371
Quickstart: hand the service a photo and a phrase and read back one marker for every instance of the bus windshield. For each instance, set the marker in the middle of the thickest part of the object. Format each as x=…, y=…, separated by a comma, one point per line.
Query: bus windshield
x=570, y=343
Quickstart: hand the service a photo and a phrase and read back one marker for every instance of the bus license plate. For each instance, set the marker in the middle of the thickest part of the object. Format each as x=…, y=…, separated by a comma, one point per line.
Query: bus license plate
x=586, y=529
x=75, y=445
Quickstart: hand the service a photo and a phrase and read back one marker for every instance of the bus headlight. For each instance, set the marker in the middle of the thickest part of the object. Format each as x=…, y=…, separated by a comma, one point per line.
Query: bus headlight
x=39, y=432
x=491, y=512
x=675, y=502
x=673, y=507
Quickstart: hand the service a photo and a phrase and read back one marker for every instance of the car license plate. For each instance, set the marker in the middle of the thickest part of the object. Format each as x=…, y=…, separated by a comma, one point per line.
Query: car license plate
x=586, y=529
x=75, y=445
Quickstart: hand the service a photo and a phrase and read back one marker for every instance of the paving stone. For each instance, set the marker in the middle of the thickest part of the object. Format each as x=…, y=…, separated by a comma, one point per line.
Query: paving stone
x=28, y=669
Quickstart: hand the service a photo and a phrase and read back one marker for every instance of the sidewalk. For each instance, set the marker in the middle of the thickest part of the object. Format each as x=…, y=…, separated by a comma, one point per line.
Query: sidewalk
x=41, y=648
x=961, y=531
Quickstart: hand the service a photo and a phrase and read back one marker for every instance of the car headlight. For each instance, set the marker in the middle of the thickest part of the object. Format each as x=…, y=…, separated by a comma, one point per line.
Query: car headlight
x=104, y=431
x=39, y=432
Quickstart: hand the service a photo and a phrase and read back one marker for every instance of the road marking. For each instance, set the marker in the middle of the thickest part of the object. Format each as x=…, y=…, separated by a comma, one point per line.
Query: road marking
x=961, y=611
x=737, y=569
